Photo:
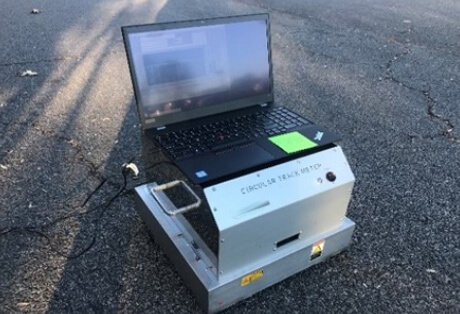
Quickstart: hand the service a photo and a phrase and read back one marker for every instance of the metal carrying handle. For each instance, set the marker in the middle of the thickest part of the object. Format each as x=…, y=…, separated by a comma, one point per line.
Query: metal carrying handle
x=167, y=205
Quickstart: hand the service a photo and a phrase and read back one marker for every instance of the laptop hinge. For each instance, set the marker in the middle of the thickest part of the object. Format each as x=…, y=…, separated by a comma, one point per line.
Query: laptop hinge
x=264, y=105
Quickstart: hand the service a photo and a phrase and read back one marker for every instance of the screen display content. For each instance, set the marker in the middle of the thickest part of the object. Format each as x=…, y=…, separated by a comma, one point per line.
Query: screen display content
x=188, y=68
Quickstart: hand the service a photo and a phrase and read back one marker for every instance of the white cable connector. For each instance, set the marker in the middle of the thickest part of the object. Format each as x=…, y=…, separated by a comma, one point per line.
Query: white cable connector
x=132, y=166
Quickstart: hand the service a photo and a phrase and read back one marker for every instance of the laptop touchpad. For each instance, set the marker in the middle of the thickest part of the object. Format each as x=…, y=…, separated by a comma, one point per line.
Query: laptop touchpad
x=244, y=157
x=211, y=166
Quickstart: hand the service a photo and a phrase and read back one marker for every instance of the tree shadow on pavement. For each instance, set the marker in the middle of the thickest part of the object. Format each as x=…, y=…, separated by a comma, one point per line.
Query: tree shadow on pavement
x=70, y=128
x=56, y=129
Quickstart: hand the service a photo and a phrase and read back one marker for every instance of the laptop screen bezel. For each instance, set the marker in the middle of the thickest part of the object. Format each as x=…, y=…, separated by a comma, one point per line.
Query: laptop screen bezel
x=167, y=119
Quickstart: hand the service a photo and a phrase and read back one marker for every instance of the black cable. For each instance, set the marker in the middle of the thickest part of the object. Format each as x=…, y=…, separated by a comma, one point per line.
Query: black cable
x=101, y=184
x=121, y=192
x=94, y=192
x=93, y=240
x=39, y=230
x=9, y=230
x=104, y=209
x=163, y=162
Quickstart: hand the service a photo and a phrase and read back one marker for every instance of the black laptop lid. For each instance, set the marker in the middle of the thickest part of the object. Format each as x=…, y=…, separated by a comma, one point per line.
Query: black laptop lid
x=186, y=70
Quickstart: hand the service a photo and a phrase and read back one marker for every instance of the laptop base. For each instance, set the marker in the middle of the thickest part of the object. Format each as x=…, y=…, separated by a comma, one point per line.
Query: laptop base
x=264, y=234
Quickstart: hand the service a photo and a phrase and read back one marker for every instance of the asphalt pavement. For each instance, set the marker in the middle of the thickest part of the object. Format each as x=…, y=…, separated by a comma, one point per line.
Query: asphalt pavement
x=383, y=74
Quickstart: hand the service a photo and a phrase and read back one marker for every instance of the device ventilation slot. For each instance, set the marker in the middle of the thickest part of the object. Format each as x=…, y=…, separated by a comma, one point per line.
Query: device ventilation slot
x=288, y=240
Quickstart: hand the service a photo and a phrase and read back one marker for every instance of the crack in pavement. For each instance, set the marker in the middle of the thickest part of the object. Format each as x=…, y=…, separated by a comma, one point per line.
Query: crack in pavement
x=93, y=168
x=431, y=103
x=450, y=127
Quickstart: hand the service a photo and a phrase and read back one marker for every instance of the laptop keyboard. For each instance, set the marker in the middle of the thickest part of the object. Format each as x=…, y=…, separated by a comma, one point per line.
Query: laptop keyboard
x=225, y=134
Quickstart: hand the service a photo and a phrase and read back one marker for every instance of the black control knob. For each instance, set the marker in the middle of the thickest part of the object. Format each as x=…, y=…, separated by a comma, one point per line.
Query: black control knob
x=330, y=176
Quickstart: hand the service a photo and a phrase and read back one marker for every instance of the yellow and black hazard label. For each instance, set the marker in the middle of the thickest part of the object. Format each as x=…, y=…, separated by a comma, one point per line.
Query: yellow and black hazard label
x=317, y=250
x=246, y=280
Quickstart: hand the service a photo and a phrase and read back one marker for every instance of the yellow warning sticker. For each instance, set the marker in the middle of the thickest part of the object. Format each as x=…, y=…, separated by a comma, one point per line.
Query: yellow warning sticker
x=317, y=249
x=246, y=280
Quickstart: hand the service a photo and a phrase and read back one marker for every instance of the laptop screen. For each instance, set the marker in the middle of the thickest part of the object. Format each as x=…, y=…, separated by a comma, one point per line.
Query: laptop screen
x=186, y=69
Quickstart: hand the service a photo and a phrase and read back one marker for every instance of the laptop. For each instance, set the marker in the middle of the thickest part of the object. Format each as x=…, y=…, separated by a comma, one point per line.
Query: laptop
x=204, y=94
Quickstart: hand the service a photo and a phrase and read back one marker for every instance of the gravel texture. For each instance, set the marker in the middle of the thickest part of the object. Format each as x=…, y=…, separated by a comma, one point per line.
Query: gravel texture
x=383, y=74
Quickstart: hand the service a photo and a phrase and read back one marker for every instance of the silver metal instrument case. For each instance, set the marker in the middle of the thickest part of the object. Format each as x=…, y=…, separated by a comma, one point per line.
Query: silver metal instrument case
x=271, y=224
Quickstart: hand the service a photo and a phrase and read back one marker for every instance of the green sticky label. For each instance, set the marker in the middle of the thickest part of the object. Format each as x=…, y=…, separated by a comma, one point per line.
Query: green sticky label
x=292, y=142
